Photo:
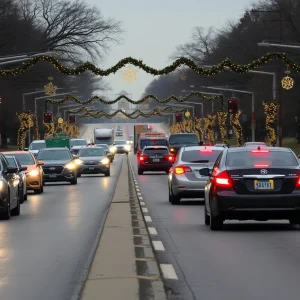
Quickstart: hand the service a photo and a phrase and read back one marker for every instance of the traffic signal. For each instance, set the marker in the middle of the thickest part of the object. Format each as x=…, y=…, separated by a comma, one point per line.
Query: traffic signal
x=72, y=119
x=233, y=106
x=48, y=117
x=178, y=118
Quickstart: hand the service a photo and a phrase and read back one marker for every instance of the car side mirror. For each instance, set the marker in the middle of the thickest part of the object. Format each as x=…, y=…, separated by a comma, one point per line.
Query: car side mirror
x=11, y=170
x=23, y=168
x=205, y=172
x=26, y=149
x=40, y=163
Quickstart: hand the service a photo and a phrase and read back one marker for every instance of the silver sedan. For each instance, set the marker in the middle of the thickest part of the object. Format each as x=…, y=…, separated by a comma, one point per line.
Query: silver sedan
x=185, y=178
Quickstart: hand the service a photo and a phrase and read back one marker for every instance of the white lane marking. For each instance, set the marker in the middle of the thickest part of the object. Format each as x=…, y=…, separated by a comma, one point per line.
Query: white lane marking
x=168, y=271
x=144, y=209
x=139, y=194
x=141, y=199
x=158, y=245
x=148, y=219
x=152, y=230
x=142, y=203
x=138, y=190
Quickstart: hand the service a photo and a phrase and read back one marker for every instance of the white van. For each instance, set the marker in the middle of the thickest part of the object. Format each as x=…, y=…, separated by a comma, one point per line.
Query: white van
x=36, y=145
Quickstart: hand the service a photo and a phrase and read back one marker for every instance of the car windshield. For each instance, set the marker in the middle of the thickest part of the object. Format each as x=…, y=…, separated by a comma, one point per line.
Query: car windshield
x=261, y=158
x=156, y=151
x=201, y=156
x=11, y=161
x=186, y=139
x=78, y=143
x=91, y=152
x=54, y=155
x=37, y=146
x=24, y=159
x=153, y=142
x=120, y=142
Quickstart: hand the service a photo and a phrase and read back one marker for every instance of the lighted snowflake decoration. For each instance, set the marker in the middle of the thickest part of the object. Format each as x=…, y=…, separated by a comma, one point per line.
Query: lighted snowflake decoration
x=129, y=74
x=287, y=82
x=50, y=88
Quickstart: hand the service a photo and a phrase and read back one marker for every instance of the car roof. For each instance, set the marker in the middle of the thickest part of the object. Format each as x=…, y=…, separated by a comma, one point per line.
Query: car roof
x=193, y=148
x=17, y=152
x=38, y=141
x=271, y=149
x=156, y=147
x=57, y=148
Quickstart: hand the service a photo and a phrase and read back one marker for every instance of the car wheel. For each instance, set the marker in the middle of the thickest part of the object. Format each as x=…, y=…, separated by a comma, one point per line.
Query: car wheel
x=140, y=172
x=175, y=200
x=74, y=181
x=21, y=195
x=38, y=191
x=206, y=217
x=78, y=174
x=294, y=221
x=6, y=215
x=25, y=197
x=107, y=174
x=170, y=196
x=16, y=211
x=42, y=189
x=216, y=223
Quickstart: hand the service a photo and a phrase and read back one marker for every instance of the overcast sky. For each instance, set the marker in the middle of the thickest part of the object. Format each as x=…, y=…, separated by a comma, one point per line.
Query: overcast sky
x=154, y=28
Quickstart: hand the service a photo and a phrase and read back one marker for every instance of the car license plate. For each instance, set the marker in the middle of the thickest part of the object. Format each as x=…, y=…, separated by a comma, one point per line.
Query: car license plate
x=52, y=176
x=91, y=168
x=263, y=184
x=156, y=159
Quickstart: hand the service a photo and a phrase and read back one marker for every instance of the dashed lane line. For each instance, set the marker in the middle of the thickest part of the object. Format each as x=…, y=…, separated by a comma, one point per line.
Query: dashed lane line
x=152, y=230
x=142, y=203
x=168, y=271
x=158, y=246
x=145, y=210
x=148, y=218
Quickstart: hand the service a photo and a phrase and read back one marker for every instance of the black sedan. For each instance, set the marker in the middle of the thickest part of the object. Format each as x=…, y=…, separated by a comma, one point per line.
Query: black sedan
x=253, y=184
x=155, y=158
x=59, y=165
x=93, y=161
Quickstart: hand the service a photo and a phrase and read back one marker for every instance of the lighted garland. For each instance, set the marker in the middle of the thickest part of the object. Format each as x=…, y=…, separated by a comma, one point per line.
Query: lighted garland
x=236, y=125
x=36, y=134
x=222, y=117
x=50, y=128
x=221, y=67
x=144, y=99
x=190, y=125
x=209, y=123
x=53, y=129
x=25, y=123
x=270, y=110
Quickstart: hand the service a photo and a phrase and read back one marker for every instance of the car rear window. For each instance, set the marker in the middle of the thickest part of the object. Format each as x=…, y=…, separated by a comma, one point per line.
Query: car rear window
x=187, y=139
x=150, y=151
x=153, y=142
x=200, y=156
x=261, y=158
x=11, y=161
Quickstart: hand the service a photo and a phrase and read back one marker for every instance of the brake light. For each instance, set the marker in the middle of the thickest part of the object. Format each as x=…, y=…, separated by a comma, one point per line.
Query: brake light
x=223, y=179
x=206, y=149
x=182, y=170
x=143, y=157
x=298, y=182
x=261, y=166
x=260, y=151
x=169, y=157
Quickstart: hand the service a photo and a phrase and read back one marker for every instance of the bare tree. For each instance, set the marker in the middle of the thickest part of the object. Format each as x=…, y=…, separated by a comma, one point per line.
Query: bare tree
x=72, y=28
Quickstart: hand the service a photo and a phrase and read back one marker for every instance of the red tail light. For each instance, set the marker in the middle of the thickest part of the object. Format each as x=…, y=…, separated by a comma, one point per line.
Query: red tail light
x=182, y=170
x=223, y=179
x=298, y=182
x=169, y=158
x=143, y=157
x=261, y=166
x=260, y=151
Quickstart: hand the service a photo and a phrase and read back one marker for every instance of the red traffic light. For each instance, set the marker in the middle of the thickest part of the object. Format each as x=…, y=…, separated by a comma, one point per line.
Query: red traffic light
x=48, y=117
x=233, y=105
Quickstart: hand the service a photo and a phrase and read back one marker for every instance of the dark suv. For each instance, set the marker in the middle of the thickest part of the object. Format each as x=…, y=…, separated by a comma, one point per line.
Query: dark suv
x=59, y=165
x=155, y=158
x=178, y=140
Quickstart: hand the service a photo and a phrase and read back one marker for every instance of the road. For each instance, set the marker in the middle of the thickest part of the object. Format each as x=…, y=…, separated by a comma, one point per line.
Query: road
x=44, y=250
x=247, y=260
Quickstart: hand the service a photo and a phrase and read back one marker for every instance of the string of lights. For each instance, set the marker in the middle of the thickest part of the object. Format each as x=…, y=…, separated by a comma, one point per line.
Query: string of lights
x=236, y=125
x=271, y=110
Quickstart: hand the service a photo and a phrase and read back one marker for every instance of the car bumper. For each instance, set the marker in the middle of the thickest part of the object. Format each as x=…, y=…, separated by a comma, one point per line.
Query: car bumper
x=122, y=151
x=155, y=167
x=185, y=188
x=64, y=176
x=33, y=182
x=277, y=206
x=93, y=169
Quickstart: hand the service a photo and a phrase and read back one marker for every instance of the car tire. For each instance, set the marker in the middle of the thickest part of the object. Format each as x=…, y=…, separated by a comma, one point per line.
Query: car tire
x=140, y=172
x=170, y=196
x=25, y=197
x=216, y=223
x=16, y=211
x=42, y=189
x=21, y=196
x=6, y=215
x=74, y=181
x=78, y=174
x=206, y=217
x=38, y=191
x=294, y=221
x=175, y=200
x=107, y=174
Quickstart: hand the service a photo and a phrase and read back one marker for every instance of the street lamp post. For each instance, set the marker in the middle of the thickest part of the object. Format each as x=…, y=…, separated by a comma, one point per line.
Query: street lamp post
x=252, y=104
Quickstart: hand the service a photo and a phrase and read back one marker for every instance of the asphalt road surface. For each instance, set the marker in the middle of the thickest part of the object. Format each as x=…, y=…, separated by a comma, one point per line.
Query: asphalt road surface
x=44, y=250
x=247, y=260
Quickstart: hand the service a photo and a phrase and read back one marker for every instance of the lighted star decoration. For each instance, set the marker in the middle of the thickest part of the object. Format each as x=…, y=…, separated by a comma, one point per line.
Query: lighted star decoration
x=50, y=88
x=129, y=74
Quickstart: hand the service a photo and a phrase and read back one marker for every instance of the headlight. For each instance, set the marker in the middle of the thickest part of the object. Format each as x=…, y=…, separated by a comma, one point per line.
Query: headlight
x=127, y=147
x=33, y=173
x=1, y=184
x=105, y=161
x=112, y=149
x=172, y=149
x=78, y=161
x=70, y=166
